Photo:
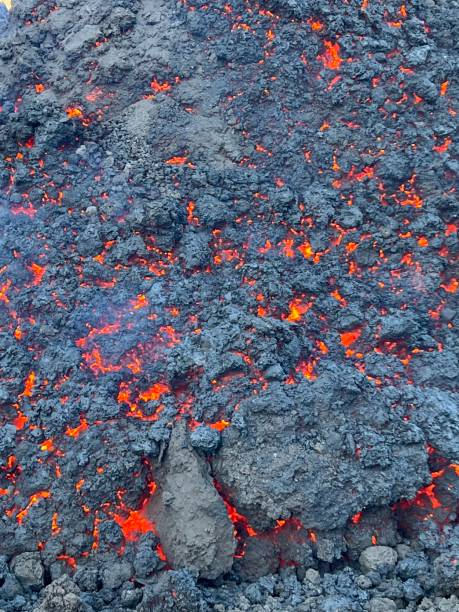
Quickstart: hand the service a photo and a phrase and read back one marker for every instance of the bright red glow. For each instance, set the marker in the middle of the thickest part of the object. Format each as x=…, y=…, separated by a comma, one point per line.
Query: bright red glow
x=176, y=161
x=73, y=112
x=154, y=392
x=160, y=87
x=298, y=309
x=451, y=286
x=76, y=431
x=348, y=338
x=331, y=58
x=28, y=386
x=220, y=425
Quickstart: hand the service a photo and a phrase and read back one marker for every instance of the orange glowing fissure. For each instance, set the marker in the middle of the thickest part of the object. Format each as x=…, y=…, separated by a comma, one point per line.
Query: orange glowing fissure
x=451, y=286
x=71, y=561
x=239, y=520
x=315, y=24
x=34, y=499
x=154, y=392
x=348, y=338
x=160, y=87
x=108, y=329
x=73, y=112
x=38, y=273
x=28, y=386
x=307, y=368
x=134, y=524
x=76, y=431
x=298, y=308
x=331, y=58
x=176, y=161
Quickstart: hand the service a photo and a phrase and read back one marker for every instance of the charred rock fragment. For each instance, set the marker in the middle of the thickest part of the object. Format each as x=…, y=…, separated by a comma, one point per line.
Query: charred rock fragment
x=378, y=558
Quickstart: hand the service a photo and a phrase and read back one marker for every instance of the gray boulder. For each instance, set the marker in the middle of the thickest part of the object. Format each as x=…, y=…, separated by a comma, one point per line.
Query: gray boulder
x=378, y=558
x=62, y=595
x=29, y=570
x=190, y=516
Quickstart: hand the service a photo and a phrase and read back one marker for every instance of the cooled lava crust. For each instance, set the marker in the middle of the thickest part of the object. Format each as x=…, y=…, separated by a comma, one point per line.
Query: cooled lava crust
x=232, y=226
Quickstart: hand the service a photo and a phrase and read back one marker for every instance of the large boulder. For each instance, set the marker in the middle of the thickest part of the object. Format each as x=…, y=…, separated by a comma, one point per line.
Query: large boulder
x=298, y=452
x=190, y=516
x=29, y=570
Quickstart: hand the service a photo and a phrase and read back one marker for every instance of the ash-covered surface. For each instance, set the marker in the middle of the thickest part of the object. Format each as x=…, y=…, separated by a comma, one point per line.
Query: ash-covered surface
x=232, y=226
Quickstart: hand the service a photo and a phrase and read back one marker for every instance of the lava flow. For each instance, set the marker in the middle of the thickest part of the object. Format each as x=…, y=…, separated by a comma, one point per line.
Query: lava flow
x=228, y=305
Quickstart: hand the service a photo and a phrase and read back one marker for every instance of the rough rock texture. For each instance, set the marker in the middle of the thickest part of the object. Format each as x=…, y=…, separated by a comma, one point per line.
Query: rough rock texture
x=378, y=558
x=382, y=604
x=62, y=595
x=190, y=516
x=29, y=570
x=438, y=417
x=294, y=440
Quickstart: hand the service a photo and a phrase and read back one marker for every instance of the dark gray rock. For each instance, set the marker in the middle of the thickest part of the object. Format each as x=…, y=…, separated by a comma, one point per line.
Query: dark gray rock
x=115, y=574
x=205, y=439
x=261, y=558
x=29, y=570
x=283, y=460
x=382, y=604
x=438, y=416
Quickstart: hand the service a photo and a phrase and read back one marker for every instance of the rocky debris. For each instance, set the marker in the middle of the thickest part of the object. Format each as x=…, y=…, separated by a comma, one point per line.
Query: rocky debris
x=440, y=604
x=378, y=559
x=239, y=218
x=4, y=18
x=205, y=439
x=382, y=604
x=29, y=570
x=190, y=516
x=62, y=595
x=176, y=591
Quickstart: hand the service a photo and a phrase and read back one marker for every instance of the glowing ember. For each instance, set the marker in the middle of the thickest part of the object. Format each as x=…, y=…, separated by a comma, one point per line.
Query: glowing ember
x=160, y=87
x=220, y=425
x=297, y=309
x=134, y=524
x=331, y=58
x=29, y=384
x=73, y=112
x=38, y=273
x=154, y=392
x=176, y=161
x=348, y=338
x=444, y=88
x=76, y=431
x=451, y=286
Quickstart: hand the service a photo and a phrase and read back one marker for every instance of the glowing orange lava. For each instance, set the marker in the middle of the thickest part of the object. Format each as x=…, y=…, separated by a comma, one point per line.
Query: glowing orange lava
x=348, y=338
x=331, y=58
